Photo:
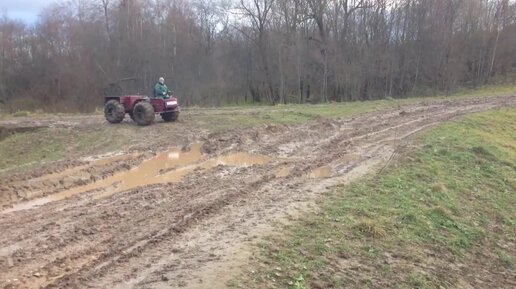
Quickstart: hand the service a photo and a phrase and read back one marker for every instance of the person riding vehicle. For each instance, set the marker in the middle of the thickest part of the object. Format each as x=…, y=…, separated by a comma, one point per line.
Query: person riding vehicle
x=161, y=89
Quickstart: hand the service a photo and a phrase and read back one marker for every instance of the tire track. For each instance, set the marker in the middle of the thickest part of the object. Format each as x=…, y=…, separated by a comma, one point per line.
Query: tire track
x=134, y=238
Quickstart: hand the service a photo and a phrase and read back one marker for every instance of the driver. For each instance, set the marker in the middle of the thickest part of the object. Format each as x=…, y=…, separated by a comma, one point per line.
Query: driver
x=161, y=89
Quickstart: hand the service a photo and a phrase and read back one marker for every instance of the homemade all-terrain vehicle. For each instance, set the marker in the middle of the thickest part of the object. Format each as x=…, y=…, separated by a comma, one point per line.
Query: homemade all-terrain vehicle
x=141, y=108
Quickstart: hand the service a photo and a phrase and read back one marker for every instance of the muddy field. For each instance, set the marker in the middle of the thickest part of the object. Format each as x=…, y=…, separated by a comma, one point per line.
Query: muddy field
x=182, y=210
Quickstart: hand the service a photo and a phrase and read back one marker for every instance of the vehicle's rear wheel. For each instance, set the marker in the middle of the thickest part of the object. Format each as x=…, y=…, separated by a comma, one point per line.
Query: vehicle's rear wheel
x=170, y=116
x=114, y=111
x=143, y=113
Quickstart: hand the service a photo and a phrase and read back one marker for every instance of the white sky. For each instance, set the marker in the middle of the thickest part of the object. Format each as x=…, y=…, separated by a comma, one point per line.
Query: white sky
x=25, y=10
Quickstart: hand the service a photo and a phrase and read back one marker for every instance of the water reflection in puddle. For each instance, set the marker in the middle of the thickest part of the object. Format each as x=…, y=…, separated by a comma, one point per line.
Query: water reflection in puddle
x=320, y=173
x=169, y=166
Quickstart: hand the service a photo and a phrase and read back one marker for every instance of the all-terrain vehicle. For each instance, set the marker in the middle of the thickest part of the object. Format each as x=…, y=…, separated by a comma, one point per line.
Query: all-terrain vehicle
x=141, y=108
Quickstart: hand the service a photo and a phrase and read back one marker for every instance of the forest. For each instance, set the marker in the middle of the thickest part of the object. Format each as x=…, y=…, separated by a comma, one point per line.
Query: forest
x=221, y=52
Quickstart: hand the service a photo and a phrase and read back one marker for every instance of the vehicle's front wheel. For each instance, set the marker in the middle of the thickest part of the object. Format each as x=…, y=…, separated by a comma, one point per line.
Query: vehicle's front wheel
x=143, y=113
x=170, y=116
x=114, y=111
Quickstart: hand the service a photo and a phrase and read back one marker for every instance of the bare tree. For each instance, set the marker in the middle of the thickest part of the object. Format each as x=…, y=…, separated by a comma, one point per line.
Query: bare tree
x=258, y=12
x=213, y=52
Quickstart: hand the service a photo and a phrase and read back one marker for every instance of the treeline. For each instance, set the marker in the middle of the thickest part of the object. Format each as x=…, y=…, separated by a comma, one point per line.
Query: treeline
x=273, y=51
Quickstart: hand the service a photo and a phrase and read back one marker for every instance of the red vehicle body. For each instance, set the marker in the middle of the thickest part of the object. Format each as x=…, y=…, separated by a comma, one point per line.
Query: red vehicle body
x=160, y=105
x=141, y=108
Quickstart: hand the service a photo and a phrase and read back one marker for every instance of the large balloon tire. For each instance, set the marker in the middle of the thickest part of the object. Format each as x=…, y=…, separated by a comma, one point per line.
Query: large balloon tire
x=114, y=111
x=143, y=113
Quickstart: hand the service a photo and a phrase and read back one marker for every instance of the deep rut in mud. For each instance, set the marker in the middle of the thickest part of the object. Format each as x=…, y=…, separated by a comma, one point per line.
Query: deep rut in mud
x=181, y=218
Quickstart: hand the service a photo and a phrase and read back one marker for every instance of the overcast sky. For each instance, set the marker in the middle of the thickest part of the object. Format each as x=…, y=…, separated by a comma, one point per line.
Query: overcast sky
x=26, y=10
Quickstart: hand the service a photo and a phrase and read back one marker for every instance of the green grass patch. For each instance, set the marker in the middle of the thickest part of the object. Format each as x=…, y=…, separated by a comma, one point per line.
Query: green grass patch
x=505, y=259
x=32, y=148
x=20, y=113
x=443, y=203
x=487, y=90
x=252, y=115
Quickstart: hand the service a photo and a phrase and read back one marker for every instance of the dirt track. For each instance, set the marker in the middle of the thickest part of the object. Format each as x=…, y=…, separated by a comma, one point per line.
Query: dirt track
x=191, y=227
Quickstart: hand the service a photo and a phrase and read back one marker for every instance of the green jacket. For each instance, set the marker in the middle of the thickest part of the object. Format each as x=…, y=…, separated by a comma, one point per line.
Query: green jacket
x=160, y=90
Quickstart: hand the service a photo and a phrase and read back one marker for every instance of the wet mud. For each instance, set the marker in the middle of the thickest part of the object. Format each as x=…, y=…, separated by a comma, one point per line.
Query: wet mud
x=184, y=215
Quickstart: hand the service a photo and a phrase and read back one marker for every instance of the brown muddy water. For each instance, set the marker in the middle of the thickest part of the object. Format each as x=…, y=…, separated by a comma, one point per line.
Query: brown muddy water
x=165, y=167
x=321, y=173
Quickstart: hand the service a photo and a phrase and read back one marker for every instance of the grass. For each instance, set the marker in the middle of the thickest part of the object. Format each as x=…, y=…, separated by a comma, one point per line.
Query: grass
x=50, y=144
x=449, y=202
x=283, y=114
x=487, y=90
x=252, y=115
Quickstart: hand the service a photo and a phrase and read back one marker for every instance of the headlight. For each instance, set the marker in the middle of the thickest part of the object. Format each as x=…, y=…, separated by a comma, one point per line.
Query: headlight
x=172, y=102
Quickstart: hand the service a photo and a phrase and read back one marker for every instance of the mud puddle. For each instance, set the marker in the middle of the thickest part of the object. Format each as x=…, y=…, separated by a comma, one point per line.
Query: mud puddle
x=168, y=166
x=321, y=173
x=283, y=172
